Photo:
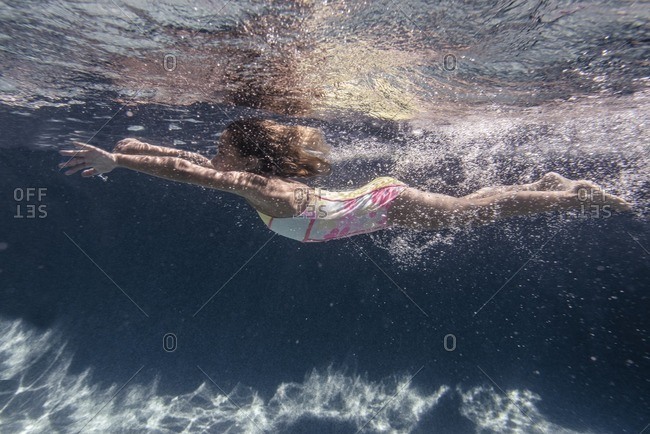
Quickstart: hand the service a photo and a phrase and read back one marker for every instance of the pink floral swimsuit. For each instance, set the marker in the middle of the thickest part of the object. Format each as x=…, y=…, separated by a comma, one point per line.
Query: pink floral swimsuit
x=332, y=215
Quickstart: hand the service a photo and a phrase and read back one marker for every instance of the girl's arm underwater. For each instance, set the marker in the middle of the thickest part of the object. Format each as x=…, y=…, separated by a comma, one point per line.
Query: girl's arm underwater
x=94, y=161
x=132, y=146
x=271, y=196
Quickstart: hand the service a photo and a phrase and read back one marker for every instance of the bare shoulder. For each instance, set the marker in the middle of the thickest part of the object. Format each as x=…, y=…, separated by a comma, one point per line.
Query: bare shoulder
x=270, y=195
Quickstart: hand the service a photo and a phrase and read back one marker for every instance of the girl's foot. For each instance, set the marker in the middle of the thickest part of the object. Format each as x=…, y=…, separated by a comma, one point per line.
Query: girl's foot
x=588, y=192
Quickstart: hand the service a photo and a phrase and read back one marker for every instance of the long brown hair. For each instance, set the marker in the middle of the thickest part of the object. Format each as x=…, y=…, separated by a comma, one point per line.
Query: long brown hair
x=280, y=150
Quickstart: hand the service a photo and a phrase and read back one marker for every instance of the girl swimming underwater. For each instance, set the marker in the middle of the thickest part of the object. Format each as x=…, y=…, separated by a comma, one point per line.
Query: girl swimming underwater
x=260, y=159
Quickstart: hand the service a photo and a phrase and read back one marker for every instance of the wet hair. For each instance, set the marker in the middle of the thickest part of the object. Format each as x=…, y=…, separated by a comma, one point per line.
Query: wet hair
x=280, y=150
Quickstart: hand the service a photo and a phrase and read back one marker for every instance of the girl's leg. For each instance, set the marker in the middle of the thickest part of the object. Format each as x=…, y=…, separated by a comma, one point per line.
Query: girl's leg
x=422, y=210
x=136, y=147
x=550, y=182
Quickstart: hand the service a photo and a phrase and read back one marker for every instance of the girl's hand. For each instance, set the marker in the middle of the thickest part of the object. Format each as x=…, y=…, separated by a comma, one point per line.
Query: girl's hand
x=88, y=157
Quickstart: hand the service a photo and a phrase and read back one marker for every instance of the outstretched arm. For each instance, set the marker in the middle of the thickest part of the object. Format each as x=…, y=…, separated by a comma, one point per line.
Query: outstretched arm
x=270, y=195
x=131, y=146
x=94, y=161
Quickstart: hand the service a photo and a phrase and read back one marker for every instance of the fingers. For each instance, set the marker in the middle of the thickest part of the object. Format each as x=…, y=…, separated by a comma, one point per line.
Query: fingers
x=83, y=145
x=74, y=165
x=75, y=169
x=83, y=149
x=76, y=162
x=82, y=158
x=72, y=162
